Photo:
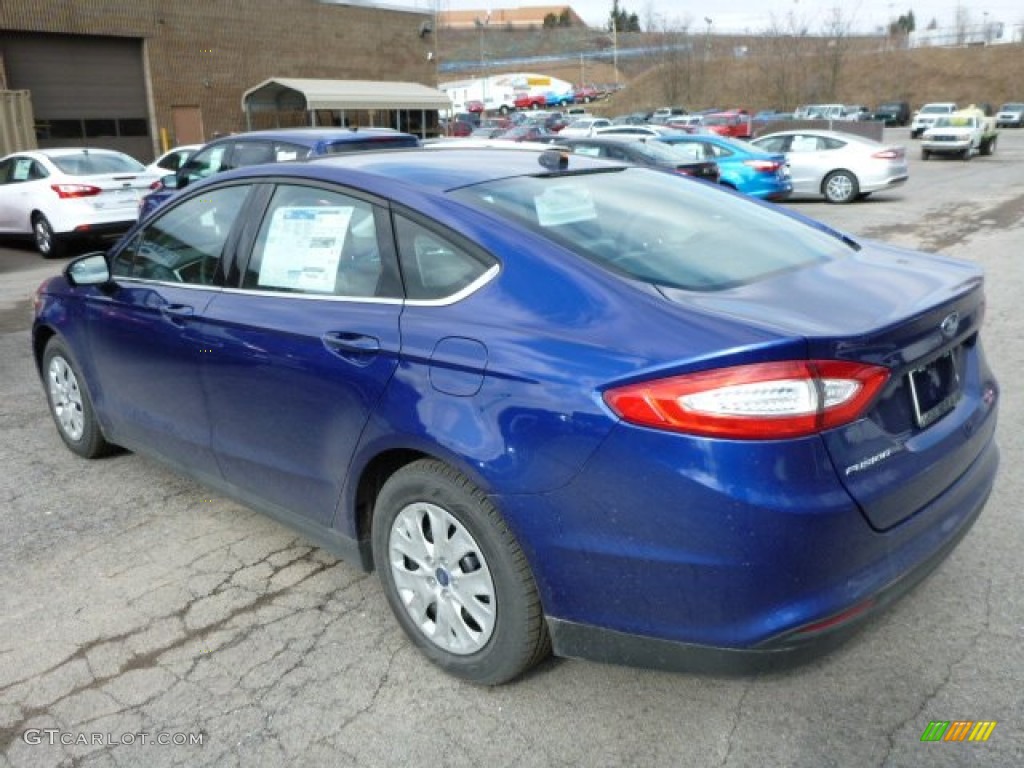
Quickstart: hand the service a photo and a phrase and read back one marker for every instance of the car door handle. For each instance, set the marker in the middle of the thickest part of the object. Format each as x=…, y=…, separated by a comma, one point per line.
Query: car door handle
x=177, y=314
x=340, y=341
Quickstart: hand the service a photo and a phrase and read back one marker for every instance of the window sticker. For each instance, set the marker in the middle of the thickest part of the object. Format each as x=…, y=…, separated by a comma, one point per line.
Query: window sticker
x=564, y=204
x=303, y=248
x=22, y=169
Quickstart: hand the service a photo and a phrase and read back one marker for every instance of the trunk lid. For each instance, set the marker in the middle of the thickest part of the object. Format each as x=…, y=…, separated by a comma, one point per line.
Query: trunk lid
x=918, y=316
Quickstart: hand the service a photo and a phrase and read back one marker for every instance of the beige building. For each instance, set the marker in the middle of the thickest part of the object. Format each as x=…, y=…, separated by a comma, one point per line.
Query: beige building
x=515, y=18
x=128, y=74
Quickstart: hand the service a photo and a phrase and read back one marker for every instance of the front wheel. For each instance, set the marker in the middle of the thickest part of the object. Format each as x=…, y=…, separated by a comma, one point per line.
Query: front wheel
x=925, y=154
x=70, y=404
x=49, y=245
x=966, y=155
x=455, y=577
x=840, y=187
x=988, y=146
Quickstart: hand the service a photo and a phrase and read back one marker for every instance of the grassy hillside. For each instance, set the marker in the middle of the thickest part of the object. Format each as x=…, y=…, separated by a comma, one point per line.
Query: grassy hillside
x=757, y=72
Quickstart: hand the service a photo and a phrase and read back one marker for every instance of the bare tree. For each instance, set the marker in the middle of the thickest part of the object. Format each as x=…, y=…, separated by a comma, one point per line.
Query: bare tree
x=676, y=55
x=835, y=44
x=961, y=24
x=780, y=58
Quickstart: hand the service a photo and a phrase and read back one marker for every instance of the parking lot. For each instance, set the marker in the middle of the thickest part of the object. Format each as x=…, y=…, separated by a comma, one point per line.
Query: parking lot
x=149, y=622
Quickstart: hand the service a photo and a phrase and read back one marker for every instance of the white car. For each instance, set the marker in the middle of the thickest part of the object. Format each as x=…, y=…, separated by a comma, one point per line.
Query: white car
x=634, y=130
x=1010, y=115
x=584, y=127
x=56, y=195
x=841, y=167
x=173, y=159
x=925, y=117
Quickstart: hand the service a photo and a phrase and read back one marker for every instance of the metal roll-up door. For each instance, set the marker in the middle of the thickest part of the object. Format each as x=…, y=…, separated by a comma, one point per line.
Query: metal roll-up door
x=86, y=90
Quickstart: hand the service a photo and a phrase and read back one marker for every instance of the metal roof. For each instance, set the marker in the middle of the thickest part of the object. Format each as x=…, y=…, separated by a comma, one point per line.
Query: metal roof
x=279, y=94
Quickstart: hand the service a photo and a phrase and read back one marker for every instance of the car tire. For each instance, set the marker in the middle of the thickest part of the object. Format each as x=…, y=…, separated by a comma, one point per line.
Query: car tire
x=503, y=109
x=70, y=404
x=840, y=187
x=988, y=147
x=455, y=577
x=47, y=242
x=966, y=155
x=925, y=154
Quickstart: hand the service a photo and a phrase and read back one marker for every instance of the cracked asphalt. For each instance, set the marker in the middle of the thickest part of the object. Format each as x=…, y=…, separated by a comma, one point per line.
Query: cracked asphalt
x=137, y=606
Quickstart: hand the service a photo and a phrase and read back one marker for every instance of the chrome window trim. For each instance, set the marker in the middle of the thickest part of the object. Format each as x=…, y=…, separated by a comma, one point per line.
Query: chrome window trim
x=445, y=301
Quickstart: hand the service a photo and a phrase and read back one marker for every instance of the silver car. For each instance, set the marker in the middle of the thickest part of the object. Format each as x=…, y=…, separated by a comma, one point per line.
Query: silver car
x=840, y=167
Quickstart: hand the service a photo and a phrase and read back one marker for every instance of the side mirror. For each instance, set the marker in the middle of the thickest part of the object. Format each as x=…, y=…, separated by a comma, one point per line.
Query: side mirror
x=173, y=181
x=91, y=269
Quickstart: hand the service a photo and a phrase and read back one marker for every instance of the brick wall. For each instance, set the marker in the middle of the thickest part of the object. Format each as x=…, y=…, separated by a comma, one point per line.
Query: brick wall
x=207, y=53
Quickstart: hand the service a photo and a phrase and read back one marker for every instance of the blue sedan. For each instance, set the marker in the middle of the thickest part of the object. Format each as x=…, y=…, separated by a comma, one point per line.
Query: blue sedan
x=557, y=403
x=743, y=167
x=271, y=146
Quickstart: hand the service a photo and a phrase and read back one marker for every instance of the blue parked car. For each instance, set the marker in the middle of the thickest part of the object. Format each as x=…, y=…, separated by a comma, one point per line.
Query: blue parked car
x=557, y=402
x=741, y=166
x=274, y=146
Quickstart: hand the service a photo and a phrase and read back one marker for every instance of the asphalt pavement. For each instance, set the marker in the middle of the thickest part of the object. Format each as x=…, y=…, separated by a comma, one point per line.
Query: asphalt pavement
x=147, y=621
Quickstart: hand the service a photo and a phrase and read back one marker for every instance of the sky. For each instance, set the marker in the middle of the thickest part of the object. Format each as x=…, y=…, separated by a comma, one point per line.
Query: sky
x=736, y=16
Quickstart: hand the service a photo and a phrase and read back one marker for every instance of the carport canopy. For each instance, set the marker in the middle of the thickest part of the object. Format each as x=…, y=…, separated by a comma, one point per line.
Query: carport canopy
x=284, y=94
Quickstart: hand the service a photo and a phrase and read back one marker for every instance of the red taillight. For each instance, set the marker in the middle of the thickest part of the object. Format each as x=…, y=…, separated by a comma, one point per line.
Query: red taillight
x=888, y=154
x=762, y=401
x=65, y=191
x=763, y=166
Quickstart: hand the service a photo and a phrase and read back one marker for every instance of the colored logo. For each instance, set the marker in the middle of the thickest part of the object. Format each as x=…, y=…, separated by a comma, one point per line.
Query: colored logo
x=958, y=730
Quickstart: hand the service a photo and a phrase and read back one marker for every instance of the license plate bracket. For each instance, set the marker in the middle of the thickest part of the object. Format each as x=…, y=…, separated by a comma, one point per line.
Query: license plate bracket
x=934, y=389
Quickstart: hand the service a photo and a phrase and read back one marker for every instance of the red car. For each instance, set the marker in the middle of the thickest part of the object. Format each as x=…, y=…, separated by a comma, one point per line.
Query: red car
x=587, y=93
x=529, y=101
x=735, y=123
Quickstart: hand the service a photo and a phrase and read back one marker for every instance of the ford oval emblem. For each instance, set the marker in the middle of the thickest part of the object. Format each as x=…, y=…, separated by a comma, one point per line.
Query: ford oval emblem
x=950, y=325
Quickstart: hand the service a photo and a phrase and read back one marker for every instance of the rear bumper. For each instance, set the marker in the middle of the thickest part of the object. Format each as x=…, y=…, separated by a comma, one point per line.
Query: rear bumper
x=800, y=644
x=658, y=562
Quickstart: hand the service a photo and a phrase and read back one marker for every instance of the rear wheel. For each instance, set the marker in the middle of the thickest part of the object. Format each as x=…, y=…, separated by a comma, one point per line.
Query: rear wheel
x=49, y=245
x=840, y=187
x=455, y=577
x=925, y=154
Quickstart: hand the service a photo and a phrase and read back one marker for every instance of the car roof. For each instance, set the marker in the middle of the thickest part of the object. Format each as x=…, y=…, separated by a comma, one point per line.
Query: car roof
x=313, y=135
x=64, y=151
x=430, y=169
x=842, y=135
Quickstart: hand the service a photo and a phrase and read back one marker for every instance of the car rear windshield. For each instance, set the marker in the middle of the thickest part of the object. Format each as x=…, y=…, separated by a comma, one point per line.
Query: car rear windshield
x=89, y=164
x=657, y=227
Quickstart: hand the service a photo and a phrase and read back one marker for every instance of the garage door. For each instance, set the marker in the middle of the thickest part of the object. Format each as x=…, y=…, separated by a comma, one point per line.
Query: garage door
x=86, y=90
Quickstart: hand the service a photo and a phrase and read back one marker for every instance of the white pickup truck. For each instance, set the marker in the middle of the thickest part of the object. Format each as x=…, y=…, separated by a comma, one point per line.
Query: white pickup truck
x=926, y=116
x=962, y=134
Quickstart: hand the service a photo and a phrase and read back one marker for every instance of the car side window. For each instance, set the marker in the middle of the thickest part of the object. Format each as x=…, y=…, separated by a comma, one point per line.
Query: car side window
x=804, y=144
x=317, y=241
x=774, y=144
x=185, y=244
x=285, y=151
x=434, y=266
x=21, y=169
x=245, y=153
x=206, y=163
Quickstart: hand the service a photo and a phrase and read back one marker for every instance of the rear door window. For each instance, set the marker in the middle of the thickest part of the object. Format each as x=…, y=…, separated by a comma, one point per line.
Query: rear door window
x=321, y=242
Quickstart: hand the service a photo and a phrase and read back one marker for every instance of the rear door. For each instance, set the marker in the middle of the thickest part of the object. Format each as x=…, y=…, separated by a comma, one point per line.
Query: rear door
x=303, y=346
